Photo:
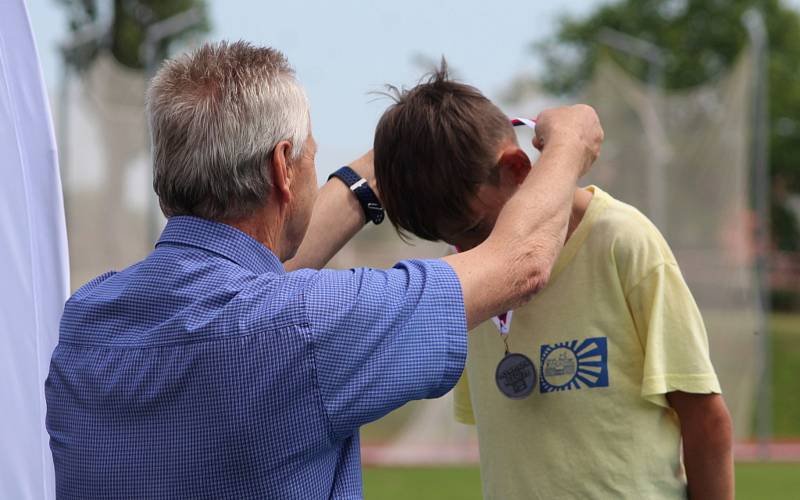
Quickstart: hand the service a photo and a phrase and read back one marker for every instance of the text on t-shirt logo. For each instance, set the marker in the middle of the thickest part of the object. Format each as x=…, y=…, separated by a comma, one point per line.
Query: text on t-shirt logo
x=574, y=365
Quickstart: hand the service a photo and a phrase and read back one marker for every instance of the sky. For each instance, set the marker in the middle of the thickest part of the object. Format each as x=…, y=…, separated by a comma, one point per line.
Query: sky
x=342, y=51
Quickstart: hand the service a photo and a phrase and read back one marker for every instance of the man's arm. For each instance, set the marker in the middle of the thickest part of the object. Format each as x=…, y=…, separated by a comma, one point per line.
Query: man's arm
x=515, y=261
x=707, y=454
x=336, y=218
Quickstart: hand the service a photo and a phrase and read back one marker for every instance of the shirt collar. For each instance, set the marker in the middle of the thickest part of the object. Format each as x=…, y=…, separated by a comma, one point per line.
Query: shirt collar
x=221, y=239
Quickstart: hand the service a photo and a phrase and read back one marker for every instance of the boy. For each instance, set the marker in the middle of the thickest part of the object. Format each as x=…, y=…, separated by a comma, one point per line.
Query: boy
x=589, y=392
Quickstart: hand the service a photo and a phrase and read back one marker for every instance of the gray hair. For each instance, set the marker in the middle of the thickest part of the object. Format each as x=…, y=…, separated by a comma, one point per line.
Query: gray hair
x=216, y=115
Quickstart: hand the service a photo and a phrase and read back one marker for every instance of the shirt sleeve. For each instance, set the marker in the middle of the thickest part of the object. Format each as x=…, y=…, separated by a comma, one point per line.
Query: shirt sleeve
x=462, y=402
x=384, y=337
x=672, y=333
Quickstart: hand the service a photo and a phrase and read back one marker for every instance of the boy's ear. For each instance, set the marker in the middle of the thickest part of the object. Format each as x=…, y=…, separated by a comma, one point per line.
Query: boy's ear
x=516, y=162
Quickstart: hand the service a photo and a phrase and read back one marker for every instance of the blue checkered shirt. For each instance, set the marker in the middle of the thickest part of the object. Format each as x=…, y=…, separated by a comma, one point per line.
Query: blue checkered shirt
x=207, y=371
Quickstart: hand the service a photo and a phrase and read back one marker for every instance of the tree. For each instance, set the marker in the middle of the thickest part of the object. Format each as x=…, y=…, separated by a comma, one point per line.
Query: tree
x=130, y=20
x=701, y=38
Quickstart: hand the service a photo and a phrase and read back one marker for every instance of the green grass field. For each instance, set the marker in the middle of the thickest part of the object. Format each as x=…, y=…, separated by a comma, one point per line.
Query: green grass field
x=785, y=329
x=753, y=482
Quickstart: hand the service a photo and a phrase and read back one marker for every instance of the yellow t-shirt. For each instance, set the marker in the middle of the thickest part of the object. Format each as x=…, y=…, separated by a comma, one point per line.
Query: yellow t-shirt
x=614, y=331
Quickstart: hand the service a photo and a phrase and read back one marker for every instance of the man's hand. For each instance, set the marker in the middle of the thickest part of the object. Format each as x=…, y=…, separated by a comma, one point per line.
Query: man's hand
x=532, y=226
x=572, y=126
x=706, y=430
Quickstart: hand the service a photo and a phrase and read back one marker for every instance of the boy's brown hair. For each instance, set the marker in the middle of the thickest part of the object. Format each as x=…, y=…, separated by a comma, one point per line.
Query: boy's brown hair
x=433, y=148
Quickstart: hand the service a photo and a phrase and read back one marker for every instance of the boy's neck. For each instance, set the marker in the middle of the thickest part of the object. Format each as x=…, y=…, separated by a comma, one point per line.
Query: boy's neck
x=580, y=203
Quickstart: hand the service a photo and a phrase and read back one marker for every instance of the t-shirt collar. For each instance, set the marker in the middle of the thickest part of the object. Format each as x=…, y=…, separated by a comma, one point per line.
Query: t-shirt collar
x=221, y=239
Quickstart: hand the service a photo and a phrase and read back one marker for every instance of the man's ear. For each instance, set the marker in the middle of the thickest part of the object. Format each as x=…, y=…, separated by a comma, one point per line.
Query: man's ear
x=516, y=162
x=281, y=172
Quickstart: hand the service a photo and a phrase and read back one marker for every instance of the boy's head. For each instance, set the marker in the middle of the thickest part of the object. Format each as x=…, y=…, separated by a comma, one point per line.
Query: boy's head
x=446, y=161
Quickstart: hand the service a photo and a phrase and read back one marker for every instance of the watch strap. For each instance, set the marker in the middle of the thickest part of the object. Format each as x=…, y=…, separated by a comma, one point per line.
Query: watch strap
x=373, y=210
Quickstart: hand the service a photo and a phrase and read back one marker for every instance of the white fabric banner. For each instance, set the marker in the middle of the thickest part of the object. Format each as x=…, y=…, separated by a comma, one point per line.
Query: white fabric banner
x=34, y=272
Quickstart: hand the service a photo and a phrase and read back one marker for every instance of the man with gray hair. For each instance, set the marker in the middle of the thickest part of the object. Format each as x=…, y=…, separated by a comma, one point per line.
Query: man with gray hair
x=226, y=364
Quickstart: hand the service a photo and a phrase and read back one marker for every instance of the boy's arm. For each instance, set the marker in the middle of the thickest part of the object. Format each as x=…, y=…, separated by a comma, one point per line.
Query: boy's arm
x=706, y=430
x=678, y=373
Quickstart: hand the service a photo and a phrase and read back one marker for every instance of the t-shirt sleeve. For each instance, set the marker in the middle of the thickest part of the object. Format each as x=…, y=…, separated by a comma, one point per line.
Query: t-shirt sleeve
x=384, y=337
x=672, y=334
x=462, y=402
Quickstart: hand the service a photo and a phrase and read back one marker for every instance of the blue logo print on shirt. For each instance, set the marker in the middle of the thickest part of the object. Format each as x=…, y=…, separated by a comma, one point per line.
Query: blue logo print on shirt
x=574, y=365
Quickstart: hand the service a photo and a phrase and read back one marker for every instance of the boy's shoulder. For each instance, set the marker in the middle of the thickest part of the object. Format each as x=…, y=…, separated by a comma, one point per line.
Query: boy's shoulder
x=635, y=244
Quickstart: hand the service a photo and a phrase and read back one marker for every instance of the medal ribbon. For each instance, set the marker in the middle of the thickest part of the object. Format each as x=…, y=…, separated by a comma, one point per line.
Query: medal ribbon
x=503, y=323
x=524, y=121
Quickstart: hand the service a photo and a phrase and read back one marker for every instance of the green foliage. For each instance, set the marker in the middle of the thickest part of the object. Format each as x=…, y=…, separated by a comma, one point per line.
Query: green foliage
x=131, y=21
x=701, y=39
x=129, y=24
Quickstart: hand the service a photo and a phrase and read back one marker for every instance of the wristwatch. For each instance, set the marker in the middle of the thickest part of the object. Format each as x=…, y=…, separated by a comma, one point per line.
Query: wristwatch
x=373, y=210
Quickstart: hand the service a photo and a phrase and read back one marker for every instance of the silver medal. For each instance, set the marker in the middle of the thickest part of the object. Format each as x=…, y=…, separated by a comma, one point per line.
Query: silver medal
x=515, y=376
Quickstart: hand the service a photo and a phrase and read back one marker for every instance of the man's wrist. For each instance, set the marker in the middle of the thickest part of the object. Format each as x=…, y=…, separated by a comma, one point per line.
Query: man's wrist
x=360, y=189
x=567, y=153
x=364, y=167
x=354, y=210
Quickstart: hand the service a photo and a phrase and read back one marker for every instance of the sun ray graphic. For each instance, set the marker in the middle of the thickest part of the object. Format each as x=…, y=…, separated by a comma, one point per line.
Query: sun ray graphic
x=574, y=365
